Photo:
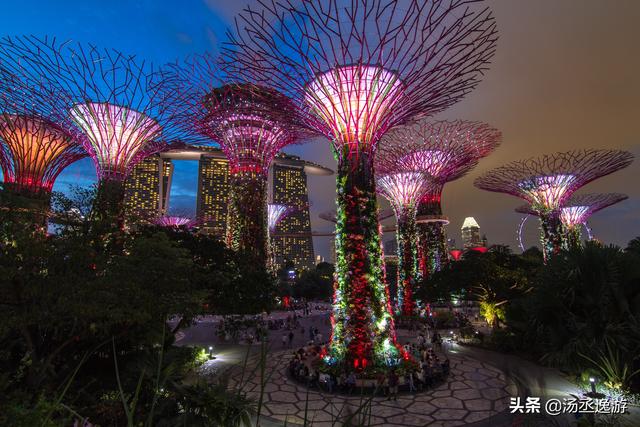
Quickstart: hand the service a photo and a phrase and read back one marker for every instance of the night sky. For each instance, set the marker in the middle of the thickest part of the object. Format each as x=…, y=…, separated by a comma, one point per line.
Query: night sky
x=565, y=76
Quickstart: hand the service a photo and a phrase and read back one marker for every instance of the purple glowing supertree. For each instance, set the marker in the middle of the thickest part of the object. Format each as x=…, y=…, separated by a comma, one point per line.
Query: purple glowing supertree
x=547, y=182
x=33, y=148
x=446, y=151
x=355, y=70
x=106, y=101
x=252, y=123
x=276, y=213
x=575, y=212
x=171, y=221
x=403, y=189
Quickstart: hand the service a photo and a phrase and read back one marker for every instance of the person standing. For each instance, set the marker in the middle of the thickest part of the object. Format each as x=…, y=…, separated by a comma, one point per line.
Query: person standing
x=285, y=339
x=290, y=338
x=392, y=380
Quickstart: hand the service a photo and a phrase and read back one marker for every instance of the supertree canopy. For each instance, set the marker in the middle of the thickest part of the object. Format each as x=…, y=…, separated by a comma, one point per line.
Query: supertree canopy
x=251, y=122
x=170, y=221
x=35, y=152
x=355, y=69
x=404, y=189
x=33, y=148
x=575, y=212
x=547, y=182
x=446, y=151
x=105, y=100
x=276, y=213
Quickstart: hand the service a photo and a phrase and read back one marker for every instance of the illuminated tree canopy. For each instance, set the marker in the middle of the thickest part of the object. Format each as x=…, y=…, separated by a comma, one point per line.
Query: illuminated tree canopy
x=356, y=69
x=547, y=182
x=105, y=99
x=445, y=150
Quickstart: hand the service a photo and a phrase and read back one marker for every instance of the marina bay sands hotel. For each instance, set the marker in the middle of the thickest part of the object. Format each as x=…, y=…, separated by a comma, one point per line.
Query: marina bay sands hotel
x=149, y=186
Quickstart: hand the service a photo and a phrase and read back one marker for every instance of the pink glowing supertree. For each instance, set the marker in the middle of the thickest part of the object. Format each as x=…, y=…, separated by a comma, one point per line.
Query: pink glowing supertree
x=251, y=122
x=575, y=212
x=547, y=182
x=105, y=100
x=404, y=189
x=355, y=70
x=276, y=213
x=446, y=151
x=171, y=221
x=33, y=148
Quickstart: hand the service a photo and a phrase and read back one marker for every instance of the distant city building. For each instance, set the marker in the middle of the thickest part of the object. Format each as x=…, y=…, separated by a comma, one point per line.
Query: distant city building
x=471, y=234
x=213, y=194
x=292, y=238
x=144, y=187
x=319, y=259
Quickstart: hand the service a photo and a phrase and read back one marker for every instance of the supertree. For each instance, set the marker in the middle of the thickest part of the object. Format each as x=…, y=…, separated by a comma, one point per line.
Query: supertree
x=33, y=148
x=546, y=183
x=403, y=189
x=276, y=213
x=106, y=101
x=251, y=122
x=171, y=221
x=446, y=150
x=575, y=212
x=356, y=69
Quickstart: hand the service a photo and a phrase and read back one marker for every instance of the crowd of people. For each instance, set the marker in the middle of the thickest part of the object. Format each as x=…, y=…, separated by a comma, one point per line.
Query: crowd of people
x=305, y=362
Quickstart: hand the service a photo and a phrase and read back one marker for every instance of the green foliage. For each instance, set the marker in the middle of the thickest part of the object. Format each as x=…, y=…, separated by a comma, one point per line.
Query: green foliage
x=315, y=284
x=67, y=296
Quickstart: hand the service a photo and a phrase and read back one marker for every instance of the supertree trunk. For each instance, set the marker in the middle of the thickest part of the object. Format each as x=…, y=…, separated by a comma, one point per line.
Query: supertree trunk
x=573, y=239
x=247, y=216
x=363, y=329
x=407, y=259
x=107, y=213
x=432, y=240
x=552, y=234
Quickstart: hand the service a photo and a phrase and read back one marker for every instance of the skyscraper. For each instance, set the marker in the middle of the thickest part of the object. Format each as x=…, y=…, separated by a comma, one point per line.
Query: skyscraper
x=292, y=237
x=144, y=187
x=471, y=234
x=213, y=194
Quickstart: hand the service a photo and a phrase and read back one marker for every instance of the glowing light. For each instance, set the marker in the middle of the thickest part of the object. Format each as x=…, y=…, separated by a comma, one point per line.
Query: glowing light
x=432, y=162
x=574, y=215
x=356, y=102
x=276, y=213
x=251, y=142
x=36, y=151
x=547, y=192
x=118, y=137
x=470, y=222
x=174, y=221
x=403, y=188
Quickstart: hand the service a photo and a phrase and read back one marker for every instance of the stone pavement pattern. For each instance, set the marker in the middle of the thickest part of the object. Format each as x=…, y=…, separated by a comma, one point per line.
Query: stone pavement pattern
x=474, y=391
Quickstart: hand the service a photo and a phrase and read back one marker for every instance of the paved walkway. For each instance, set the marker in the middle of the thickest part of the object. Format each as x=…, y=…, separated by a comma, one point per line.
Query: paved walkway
x=472, y=392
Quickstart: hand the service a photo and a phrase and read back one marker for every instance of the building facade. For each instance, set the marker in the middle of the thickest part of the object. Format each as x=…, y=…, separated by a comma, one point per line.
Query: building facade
x=147, y=190
x=471, y=234
x=292, y=239
x=213, y=194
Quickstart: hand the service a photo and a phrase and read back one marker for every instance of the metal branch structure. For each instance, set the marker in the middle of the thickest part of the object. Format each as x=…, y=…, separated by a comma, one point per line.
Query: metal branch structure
x=446, y=150
x=404, y=189
x=575, y=212
x=34, y=150
x=356, y=69
x=105, y=100
x=276, y=213
x=251, y=123
x=547, y=182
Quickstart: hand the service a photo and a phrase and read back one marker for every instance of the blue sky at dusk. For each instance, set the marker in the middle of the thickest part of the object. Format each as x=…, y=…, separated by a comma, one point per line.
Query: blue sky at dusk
x=564, y=77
